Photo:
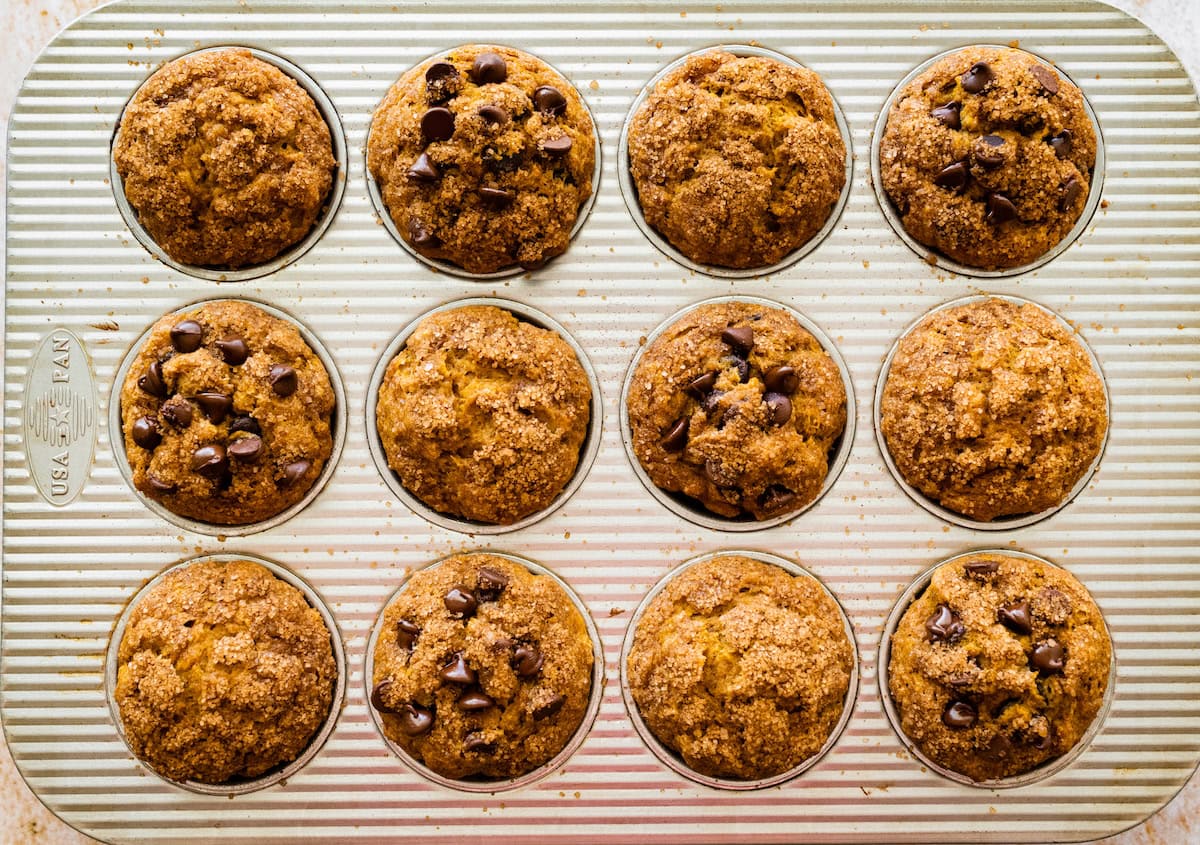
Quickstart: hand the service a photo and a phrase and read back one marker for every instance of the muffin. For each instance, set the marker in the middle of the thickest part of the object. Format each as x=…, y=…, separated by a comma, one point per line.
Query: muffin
x=484, y=158
x=226, y=414
x=738, y=407
x=482, y=669
x=482, y=416
x=740, y=667
x=225, y=159
x=1000, y=665
x=224, y=672
x=993, y=408
x=737, y=160
x=988, y=157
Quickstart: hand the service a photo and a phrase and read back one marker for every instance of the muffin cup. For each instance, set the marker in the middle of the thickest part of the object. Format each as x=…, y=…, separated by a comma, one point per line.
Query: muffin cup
x=587, y=451
x=116, y=434
x=449, y=267
x=1042, y=772
x=1004, y=523
x=336, y=135
x=281, y=772
x=503, y=784
x=629, y=190
x=692, y=510
x=932, y=256
x=670, y=758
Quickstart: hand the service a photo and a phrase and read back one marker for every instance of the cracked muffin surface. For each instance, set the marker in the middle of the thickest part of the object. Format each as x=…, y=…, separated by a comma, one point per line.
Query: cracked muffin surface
x=737, y=406
x=737, y=160
x=988, y=157
x=482, y=416
x=1000, y=665
x=740, y=667
x=226, y=414
x=993, y=409
x=482, y=668
x=484, y=157
x=225, y=159
x=224, y=672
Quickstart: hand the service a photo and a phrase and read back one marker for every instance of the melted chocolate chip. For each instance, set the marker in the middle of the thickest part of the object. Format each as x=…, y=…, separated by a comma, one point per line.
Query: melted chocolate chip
x=739, y=338
x=494, y=115
x=675, y=439
x=776, y=498
x=557, y=147
x=701, y=386
x=422, y=237
x=234, y=351
x=160, y=486
x=710, y=402
x=1061, y=143
x=781, y=379
x=488, y=68
x=407, y=634
x=959, y=715
x=210, y=461
x=439, y=71
x=1048, y=657
x=549, y=707
x=437, y=124
x=549, y=100
x=1071, y=190
x=472, y=701
x=460, y=602
x=527, y=661
x=944, y=625
x=1046, y=77
x=152, y=382
x=145, y=433
x=476, y=744
x=187, y=336
x=415, y=719
x=981, y=567
x=1015, y=617
x=377, y=696
x=949, y=115
x=953, y=177
x=177, y=413
x=780, y=407
x=246, y=449
x=977, y=78
x=423, y=170
x=1000, y=209
x=245, y=423
x=490, y=584
x=497, y=197
x=216, y=406
x=283, y=380
x=458, y=672
x=296, y=470
x=741, y=365
x=990, y=153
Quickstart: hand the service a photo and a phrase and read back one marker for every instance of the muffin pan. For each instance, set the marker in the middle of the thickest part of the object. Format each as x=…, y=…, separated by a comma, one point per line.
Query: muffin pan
x=1130, y=284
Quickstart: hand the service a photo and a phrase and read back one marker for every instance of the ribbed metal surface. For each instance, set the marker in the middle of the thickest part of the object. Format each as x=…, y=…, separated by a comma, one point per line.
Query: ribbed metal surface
x=1132, y=285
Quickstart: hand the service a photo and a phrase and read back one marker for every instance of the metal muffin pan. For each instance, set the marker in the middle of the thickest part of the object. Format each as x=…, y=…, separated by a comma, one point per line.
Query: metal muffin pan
x=1130, y=284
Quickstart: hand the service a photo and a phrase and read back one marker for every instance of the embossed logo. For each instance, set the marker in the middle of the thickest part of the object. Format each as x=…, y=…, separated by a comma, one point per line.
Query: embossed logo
x=60, y=417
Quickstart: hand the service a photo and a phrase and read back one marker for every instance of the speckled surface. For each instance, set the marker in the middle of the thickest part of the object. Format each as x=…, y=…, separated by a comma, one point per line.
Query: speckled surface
x=33, y=23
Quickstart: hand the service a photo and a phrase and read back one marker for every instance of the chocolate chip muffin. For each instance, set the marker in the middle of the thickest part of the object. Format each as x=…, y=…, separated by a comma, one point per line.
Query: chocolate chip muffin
x=988, y=157
x=482, y=669
x=737, y=406
x=484, y=157
x=226, y=414
x=1000, y=665
x=740, y=667
x=737, y=160
x=224, y=672
x=225, y=159
x=993, y=408
x=482, y=416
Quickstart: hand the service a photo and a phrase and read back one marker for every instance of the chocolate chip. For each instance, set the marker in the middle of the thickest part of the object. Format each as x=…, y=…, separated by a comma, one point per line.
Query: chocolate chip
x=245, y=423
x=440, y=71
x=958, y=715
x=406, y=634
x=497, y=197
x=421, y=237
x=944, y=625
x=977, y=78
x=460, y=602
x=1000, y=209
x=442, y=81
x=478, y=745
x=953, y=177
x=210, y=461
x=741, y=365
x=981, y=567
x=233, y=350
x=1061, y=143
x=377, y=696
x=527, y=661
x=216, y=406
x=781, y=379
x=177, y=413
x=557, y=147
x=676, y=438
x=494, y=115
x=701, y=385
x=949, y=115
x=1016, y=617
x=246, y=449
x=487, y=68
x=458, y=672
x=739, y=338
x=1046, y=77
x=1070, y=193
x=549, y=100
x=145, y=432
x=490, y=584
x=549, y=707
x=775, y=498
x=1048, y=657
x=160, y=486
x=187, y=336
x=710, y=402
x=780, y=407
x=990, y=153
x=473, y=701
x=415, y=719
x=437, y=124
x=283, y=380
x=1043, y=741
x=152, y=382
x=296, y=470
x=423, y=170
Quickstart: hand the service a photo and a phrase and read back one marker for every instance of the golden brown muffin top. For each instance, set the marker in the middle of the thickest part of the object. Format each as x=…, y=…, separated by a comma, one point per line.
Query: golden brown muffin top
x=1000, y=665
x=224, y=672
x=741, y=668
x=993, y=409
x=225, y=159
x=737, y=160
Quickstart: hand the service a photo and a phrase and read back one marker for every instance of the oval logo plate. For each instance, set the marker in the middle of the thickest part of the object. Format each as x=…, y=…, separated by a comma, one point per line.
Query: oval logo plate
x=60, y=417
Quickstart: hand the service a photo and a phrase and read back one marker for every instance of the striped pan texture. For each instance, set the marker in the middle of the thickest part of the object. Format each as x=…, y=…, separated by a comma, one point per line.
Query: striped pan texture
x=1131, y=285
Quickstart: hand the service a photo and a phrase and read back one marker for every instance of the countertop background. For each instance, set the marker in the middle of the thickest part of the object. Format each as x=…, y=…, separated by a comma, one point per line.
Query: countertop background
x=29, y=25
